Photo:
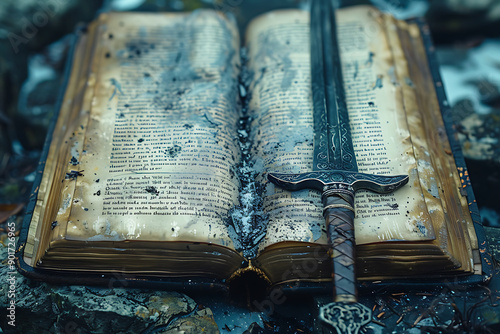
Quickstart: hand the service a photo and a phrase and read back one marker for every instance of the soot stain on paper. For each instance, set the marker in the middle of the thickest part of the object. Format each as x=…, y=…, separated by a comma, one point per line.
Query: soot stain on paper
x=152, y=190
x=65, y=204
x=173, y=151
x=248, y=220
x=192, y=96
x=378, y=82
x=73, y=174
x=369, y=61
x=409, y=82
x=288, y=73
x=208, y=117
x=267, y=54
x=356, y=70
x=392, y=75
x=117, y=88
x=421, y=227
x=393, y=206
x=434, y=190
x=181, y=84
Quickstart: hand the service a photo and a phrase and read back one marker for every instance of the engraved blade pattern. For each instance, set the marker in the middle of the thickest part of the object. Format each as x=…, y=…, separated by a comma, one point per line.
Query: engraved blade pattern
x=333, y=147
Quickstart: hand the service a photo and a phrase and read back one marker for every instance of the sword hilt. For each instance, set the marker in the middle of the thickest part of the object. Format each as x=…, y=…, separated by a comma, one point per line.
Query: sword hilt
x=345, y=314
x=338, y=210
x=338, y=188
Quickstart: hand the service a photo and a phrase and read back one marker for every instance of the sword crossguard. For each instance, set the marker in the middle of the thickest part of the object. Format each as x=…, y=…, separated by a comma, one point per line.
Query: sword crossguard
x=323, y=180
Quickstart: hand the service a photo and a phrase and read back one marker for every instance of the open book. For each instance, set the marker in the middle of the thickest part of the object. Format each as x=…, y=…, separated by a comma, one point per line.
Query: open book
x=158, y=162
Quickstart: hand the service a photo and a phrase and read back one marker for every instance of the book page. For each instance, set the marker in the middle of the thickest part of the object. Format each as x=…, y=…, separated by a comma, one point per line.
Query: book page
x=281, y=105
x=454, y=220
x=158, y=149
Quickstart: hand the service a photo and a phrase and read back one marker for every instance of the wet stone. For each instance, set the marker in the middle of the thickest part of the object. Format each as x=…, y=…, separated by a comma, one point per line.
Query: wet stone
x=29, y=26
x=479, y=136
x=461, y=110
x=201, y=321
x=450, y=19
x=42, y=308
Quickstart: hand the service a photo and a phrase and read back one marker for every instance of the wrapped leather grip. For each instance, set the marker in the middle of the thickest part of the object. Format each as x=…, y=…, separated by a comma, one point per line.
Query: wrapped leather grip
x=339, y=217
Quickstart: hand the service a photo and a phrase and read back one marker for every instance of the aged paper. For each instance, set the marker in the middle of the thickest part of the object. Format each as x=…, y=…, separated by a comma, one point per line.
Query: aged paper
x=159, y=149
x=281, y=105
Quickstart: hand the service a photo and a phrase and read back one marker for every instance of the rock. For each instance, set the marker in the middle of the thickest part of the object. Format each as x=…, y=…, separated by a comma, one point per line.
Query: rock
x=472, y=87
x=488, y=92
x=5, y=145
x=493, y=237
x=33, y=120
x=457, y=19
x=27, y=26
x=480, y=136
x=40, y=93
x=255, y=329
x=9, y=89
x=461, y=110
x=201, y=321
x=26, y=121
x=42, y=309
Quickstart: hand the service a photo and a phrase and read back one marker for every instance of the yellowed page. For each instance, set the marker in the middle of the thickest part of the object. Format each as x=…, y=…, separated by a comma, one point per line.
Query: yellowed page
x=455, y=207
x=158, y=153
x=281, y=103
x=427, y=180
x=51, y=190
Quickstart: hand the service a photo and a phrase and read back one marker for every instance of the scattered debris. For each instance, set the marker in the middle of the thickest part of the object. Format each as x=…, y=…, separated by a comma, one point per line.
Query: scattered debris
x=73, y=174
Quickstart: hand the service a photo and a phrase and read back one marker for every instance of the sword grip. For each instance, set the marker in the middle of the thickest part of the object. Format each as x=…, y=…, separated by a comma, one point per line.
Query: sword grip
x=339, y=217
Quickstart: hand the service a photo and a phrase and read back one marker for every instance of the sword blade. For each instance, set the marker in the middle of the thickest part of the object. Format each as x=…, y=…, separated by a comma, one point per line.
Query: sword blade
x=333, y=140
x=335, y=172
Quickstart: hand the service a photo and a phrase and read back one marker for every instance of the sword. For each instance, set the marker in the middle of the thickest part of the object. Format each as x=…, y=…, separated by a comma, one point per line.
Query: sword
x=335, y=171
